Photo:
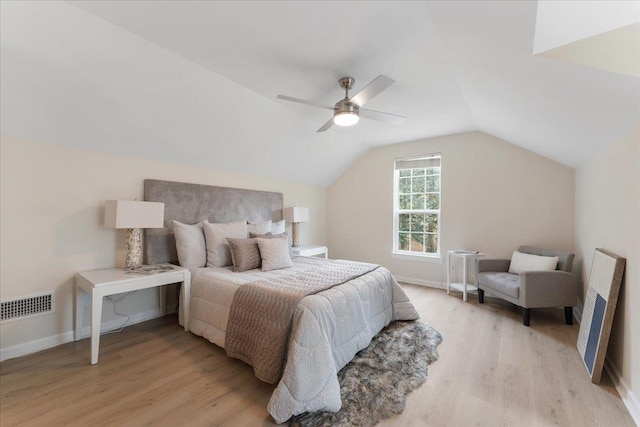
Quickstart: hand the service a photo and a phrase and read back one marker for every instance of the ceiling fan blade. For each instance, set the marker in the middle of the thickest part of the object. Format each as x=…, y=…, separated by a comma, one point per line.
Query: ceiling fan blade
x=378, y=84
x=302, y=101
x=326, y=126
x=383, y=117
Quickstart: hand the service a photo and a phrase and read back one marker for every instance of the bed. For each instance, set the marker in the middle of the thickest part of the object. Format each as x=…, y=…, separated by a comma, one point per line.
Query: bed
x=327, y=328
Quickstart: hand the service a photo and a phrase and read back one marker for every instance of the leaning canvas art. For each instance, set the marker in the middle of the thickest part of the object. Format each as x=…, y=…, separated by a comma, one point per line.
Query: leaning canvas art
x=599, y=306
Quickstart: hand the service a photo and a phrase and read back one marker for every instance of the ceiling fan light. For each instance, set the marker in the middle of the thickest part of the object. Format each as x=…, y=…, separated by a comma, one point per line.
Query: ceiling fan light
x=346, y=118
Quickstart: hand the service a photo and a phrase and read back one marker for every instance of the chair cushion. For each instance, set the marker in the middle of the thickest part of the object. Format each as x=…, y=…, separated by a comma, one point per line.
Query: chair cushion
x=505, y=283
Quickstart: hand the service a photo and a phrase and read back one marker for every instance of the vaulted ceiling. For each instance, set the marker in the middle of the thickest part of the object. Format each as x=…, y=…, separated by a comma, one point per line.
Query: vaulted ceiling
x=196, y=82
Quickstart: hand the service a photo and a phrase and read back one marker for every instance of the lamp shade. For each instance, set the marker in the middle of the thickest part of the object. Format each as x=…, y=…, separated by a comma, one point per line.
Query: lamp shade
x=133, y=214
x=295, y=214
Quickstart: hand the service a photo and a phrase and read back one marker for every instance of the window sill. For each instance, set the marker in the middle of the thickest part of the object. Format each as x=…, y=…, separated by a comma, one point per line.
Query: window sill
x=436, y=259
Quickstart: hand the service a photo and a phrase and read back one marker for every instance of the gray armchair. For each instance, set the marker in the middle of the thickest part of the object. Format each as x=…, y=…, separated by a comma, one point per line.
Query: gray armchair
x=531, y=289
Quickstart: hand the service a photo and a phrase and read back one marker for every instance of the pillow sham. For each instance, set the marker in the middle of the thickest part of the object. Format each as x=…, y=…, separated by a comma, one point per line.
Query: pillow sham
x=190, y=245
x=278, y=227
x=215, y=236
x=260, y=228
x=274, y=253
x=244, y=254
x=527, y=262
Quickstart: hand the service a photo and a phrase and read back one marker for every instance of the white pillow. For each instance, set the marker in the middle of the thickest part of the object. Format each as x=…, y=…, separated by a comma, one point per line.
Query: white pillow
x=278, y=227
x=192, y=252
x=260, y=228
x=218, y=252
x=274, y=253
x=527, y=262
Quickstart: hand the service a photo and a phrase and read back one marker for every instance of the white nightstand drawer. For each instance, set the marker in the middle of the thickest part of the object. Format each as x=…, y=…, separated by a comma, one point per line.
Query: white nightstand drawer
x=310, y=251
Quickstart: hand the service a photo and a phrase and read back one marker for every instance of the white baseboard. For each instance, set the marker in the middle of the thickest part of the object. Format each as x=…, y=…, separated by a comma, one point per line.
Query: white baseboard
x=40, y=344
x=420, y=282
x=629, y=399
x=577, y=314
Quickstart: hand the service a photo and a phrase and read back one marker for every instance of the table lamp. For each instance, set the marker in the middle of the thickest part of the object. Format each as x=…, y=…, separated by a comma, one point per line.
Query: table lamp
x=133, y=215
x=295, y=215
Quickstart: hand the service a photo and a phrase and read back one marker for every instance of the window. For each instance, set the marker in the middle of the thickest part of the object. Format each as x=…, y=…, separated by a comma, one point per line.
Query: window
x=416, y=209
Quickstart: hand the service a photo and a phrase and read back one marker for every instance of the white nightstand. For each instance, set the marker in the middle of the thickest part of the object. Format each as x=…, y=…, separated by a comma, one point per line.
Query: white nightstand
x=100, y=283
x=462, y=286
x=311, y=251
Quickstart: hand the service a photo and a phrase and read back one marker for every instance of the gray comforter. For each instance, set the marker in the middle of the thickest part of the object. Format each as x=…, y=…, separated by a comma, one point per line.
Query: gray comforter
x=328, y=329
x=261, y=313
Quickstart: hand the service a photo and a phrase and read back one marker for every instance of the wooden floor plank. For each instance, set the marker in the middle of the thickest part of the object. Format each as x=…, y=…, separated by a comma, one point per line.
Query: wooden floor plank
x=492, y=371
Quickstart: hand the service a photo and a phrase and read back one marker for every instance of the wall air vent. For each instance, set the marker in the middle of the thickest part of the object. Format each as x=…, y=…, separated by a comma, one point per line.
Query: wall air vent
x=34, y=305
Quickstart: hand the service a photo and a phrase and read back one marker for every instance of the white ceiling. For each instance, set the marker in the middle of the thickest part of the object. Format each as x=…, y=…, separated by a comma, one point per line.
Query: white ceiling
x=196, y=82
x=562, y=22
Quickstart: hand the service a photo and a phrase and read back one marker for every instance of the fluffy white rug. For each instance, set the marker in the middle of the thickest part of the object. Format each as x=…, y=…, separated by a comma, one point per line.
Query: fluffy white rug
x=373, y=386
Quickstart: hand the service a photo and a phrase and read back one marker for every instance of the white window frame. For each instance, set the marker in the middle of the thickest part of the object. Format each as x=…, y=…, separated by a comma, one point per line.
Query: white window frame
x=397, y=211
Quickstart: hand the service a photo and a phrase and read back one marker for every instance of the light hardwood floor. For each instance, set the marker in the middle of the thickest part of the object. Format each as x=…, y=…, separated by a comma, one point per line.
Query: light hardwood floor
x=492, y=371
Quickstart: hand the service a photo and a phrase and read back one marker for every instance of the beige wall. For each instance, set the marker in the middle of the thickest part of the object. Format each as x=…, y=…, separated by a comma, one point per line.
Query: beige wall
x=52, y=199
x=495, y=197
x=608, y=216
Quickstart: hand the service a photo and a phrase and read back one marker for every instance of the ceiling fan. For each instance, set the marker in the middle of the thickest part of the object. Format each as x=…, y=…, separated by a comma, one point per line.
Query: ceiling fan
x=348, y=111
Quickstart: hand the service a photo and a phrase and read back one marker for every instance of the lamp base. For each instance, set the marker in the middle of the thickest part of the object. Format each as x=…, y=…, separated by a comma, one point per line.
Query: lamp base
x=295, y=234
x=134, y=248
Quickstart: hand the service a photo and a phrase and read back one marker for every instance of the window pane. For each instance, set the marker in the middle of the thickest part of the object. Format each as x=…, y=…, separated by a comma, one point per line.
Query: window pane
x=417, y=201
x=418, y=185
x=433, y=201
x=405, y=172
x=417, y=222
x=433, y=183
x=431, y=223
x=403, y=241
x=404, y=222
x=405, y=202
x=431, y=243
x=417, y=242
x=433, y=171
x=418, y=172
x=405, y=185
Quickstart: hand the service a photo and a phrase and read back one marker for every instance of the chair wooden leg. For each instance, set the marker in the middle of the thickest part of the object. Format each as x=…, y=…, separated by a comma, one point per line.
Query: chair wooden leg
x=568, y=315
x=480, y=296
x=526, y=317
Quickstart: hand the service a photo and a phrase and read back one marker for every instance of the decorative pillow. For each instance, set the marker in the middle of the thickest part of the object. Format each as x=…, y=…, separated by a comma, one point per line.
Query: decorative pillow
x=190, y=245
x=215, y=235
x=527, y=262
x=274, y=253
x=244, y=254
x=260, y=228
x=278, y=227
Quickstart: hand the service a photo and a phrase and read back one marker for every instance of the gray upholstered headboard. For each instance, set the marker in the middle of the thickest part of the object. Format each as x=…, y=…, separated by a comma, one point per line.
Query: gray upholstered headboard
x=190, y=203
